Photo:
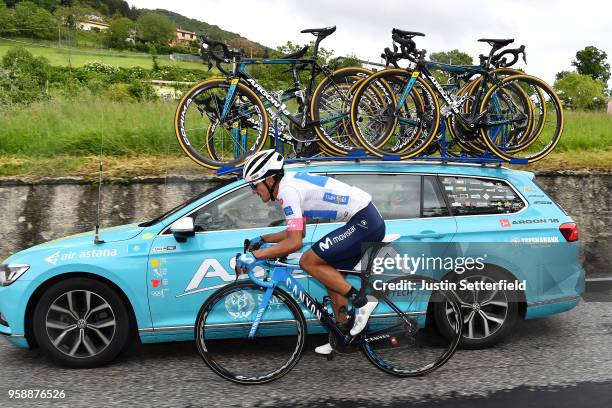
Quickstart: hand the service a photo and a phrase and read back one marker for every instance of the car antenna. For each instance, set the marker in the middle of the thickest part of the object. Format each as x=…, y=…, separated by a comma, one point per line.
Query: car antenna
x=97, y=239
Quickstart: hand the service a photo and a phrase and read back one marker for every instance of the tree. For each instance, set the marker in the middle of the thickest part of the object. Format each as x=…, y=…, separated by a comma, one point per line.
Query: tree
x=561, y=74
x=454, y=57
x=591, y=61
x=34, y=21
x=581, y=91
x=7, y=21
x=118, y=32
x=155, y=28
x=249, y=47
x=50, y=5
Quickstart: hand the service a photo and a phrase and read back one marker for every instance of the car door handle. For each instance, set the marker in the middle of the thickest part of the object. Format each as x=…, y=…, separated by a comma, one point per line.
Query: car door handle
x=427, y=234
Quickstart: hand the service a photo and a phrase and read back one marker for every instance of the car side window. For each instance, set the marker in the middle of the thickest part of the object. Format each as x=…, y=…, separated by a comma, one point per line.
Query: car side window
x=433, y=202
x=475, y=196
x=239, y=209
x=397, y=196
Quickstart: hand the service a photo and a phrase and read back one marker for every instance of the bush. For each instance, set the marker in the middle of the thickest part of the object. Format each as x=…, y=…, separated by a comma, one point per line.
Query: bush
x=117, y=93
x=141, y=91
x=24, y=78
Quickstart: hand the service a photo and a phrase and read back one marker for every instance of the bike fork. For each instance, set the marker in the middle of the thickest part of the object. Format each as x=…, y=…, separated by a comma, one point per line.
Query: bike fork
x=262, y=308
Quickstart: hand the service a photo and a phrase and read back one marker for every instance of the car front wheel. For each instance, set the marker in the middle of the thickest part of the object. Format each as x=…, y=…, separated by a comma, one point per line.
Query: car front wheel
x=81, y=323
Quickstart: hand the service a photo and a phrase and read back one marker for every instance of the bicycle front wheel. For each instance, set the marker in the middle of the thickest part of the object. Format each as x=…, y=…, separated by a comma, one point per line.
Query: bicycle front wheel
x=399, y=338
x=222, y=334
x=220, y=123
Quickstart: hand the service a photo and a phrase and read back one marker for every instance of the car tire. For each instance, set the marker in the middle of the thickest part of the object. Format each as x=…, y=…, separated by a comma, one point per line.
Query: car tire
x=81, y=323
x=488, y=317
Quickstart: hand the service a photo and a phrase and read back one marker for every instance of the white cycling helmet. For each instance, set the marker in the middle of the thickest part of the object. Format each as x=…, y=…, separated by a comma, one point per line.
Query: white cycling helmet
x=261, y=165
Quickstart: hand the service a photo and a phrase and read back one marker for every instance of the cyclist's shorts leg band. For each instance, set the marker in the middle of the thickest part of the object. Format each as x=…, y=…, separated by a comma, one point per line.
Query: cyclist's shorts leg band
x=341, y=248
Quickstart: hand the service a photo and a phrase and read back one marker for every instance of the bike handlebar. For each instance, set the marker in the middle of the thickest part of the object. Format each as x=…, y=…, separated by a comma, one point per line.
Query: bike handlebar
x=226, y=56
x=408, y=49
x=499, y=60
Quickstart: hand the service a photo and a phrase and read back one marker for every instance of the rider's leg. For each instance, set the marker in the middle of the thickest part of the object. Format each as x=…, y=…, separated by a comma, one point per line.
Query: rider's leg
x=324, y=272
x=340, y=306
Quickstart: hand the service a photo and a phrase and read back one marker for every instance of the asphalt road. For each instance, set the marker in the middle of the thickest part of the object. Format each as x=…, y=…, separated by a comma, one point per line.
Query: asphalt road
x=559, y=361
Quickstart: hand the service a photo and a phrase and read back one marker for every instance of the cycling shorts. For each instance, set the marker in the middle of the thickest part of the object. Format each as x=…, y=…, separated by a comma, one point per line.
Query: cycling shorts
x=341, y=248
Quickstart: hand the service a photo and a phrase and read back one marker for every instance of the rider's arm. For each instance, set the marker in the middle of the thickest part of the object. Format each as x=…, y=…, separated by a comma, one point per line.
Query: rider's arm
x=289, y=240
x=290, y=244
x=281, y=235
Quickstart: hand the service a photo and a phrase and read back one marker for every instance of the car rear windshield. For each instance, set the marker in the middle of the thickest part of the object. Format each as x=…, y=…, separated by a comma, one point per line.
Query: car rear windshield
x=476, y=196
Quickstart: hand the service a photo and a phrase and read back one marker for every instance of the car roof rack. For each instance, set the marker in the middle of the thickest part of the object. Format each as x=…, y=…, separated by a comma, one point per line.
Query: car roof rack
x=357, y=156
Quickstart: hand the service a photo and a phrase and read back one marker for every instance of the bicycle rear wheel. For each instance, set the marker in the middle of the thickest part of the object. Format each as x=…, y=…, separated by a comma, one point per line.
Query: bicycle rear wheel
x=405, y=124
x=399, y=340
x=496, y=129
x=222, y=334
x=213, y=140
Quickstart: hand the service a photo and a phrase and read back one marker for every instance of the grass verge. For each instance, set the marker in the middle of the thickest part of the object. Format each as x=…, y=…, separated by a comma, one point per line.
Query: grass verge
x=62, y=137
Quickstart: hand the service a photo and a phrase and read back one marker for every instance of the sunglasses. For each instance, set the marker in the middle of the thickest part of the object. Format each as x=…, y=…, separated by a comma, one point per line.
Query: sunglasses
x=254, y=184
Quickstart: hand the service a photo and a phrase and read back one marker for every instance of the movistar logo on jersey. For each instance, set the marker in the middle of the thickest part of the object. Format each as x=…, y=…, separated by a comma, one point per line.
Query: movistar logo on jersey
x=336, y=199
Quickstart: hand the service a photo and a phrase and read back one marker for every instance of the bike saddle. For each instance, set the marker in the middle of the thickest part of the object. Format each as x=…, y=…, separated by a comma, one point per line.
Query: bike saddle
x=500, y=43
x=320, y=32
x=296, y=54
x=404, y=33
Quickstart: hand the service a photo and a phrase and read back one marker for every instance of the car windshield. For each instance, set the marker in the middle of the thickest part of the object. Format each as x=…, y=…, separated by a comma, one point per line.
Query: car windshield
x=185, y=204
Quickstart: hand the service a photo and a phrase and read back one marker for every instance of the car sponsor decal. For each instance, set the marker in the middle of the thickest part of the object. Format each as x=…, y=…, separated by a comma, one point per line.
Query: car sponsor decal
x=535, y=221
x=211, y=274
x=536, y=240
x=527, y=189
x=505, y=223
x=148, y=235
x=59, y=256
x=164, y=248
x=543, y=202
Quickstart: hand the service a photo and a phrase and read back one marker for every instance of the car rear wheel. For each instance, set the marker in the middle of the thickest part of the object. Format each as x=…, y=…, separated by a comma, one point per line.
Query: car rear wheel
x=81, y=323
x=488, y=315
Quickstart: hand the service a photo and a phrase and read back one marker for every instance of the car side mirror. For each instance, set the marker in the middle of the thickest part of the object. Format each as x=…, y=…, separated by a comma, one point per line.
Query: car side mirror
x=182, y=229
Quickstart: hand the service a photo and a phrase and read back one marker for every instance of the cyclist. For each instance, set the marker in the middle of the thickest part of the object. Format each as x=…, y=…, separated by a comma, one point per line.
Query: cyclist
x=304, y=195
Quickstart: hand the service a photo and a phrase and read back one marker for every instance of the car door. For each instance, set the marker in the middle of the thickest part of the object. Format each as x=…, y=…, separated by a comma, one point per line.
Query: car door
x=182, y=275
x=412, y=206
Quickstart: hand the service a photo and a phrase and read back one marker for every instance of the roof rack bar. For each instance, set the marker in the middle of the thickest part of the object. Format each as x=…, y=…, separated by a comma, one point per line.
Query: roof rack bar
x=359, y=155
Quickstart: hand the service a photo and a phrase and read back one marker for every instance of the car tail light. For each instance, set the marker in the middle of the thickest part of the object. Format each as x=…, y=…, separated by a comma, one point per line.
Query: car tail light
x=569, y=231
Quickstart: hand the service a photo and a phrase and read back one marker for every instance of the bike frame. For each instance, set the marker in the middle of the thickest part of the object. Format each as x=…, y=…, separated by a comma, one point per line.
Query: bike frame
x=270, y=101
x=282, y=273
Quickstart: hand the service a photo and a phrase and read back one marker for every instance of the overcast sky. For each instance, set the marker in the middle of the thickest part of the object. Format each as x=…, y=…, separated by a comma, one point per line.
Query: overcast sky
x=552, y=30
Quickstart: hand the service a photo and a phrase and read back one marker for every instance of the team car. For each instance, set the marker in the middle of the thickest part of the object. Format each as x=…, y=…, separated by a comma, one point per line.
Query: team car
x=81, y=301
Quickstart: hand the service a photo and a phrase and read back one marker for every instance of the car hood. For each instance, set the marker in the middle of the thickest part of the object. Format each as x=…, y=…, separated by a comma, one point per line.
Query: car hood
x=112, y=234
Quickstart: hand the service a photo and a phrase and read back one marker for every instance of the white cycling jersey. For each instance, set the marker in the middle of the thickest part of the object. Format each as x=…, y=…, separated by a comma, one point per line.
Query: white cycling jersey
x=308, y=195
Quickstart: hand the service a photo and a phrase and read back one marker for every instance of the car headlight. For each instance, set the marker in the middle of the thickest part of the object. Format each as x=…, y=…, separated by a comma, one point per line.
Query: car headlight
x=10, y=273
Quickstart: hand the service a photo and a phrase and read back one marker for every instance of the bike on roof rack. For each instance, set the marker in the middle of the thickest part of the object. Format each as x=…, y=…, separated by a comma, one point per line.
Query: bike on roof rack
x=222, y=120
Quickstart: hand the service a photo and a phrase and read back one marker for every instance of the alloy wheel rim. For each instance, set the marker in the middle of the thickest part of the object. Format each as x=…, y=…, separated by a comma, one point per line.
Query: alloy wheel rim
x=484, y=311
x=80, y=324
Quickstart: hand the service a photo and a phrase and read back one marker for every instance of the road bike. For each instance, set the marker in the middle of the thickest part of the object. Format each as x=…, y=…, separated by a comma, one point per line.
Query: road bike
x=253, y=331
x=222, y=120
x=512, y=114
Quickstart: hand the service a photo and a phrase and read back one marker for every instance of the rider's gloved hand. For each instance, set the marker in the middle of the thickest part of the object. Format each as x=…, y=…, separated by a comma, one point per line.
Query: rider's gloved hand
x=246, y=260
x=256, y=242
